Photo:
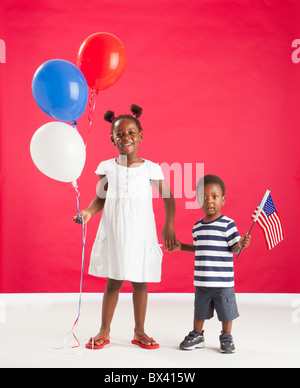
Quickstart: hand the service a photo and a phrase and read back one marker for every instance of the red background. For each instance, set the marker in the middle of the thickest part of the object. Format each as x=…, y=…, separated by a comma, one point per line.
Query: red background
x=217, y=85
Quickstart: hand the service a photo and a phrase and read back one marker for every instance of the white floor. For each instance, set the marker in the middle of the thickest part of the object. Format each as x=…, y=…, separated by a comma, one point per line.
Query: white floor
x=267, y=333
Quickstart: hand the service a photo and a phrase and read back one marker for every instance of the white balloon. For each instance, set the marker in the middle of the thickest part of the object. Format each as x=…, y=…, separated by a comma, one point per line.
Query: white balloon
x=58, y=151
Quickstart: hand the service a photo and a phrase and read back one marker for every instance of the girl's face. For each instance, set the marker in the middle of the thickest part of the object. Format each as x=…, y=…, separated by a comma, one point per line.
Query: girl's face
x=126, y=136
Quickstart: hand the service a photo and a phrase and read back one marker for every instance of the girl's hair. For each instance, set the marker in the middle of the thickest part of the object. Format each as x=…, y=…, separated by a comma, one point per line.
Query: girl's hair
x=136, y=113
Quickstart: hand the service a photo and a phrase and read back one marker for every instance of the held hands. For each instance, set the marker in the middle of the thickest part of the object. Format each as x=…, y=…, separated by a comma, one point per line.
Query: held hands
x=169, y=237
x=86, y=217
x=177, y=246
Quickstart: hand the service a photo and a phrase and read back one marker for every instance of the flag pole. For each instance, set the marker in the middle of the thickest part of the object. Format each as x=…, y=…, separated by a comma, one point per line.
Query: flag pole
x=260, y=207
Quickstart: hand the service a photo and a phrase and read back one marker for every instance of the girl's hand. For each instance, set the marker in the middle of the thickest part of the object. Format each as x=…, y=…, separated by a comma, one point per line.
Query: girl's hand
x=169, y=237
x=86, y=217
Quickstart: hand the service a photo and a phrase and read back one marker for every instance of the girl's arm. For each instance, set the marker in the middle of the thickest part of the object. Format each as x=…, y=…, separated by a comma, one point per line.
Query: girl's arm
x=97, y=203
x=168, y=232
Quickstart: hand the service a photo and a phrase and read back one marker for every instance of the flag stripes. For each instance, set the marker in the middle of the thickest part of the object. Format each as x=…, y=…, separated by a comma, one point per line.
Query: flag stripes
x=270, y=222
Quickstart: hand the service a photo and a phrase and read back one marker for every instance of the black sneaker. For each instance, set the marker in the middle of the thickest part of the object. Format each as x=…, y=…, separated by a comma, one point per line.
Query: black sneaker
x=194, y=340
x=226, y=343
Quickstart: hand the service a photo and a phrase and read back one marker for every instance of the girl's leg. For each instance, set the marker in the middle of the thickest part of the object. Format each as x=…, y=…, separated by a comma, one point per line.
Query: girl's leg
x=109, y=303
x=140, y=299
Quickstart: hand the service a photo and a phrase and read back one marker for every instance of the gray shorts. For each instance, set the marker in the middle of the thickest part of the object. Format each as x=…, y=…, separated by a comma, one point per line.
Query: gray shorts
x=208, y=299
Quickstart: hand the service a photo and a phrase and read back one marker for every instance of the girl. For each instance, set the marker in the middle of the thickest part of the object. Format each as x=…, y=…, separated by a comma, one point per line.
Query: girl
x=126, y=245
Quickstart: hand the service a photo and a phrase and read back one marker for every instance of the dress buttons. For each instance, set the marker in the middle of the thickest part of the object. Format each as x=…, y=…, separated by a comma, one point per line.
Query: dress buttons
x=126, y=183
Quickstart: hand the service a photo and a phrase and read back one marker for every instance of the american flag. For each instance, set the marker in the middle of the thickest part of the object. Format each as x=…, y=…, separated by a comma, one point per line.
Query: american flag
x=270, y=223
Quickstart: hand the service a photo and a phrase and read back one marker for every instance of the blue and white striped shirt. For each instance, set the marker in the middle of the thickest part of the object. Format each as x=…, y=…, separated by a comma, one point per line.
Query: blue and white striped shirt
x=213, y=259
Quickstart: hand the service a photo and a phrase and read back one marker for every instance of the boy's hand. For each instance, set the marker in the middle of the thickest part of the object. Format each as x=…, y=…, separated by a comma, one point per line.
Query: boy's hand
x=245, y=241
x=86, y=217
x=177, y=246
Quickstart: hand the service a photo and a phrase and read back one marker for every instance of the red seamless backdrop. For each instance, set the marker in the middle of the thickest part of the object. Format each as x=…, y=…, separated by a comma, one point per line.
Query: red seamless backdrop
x=218, y=86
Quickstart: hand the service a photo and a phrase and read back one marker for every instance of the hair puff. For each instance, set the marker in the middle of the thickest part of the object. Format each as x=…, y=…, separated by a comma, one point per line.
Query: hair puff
x=136, y=110
x=109, y=116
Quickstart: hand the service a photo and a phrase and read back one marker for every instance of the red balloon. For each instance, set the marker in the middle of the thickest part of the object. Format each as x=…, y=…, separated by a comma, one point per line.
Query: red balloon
x=102, y=59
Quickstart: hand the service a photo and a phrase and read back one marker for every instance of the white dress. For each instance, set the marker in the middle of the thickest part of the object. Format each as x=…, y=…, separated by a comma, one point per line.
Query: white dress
x=126, y=245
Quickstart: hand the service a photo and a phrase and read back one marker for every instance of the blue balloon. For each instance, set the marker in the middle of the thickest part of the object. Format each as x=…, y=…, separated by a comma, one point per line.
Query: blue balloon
x=60, y=90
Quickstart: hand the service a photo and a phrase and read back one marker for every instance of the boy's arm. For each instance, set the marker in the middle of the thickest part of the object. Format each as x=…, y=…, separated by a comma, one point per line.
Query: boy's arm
x=168, y=232
x=242, y=243
x=184, y=247
x=188, y=247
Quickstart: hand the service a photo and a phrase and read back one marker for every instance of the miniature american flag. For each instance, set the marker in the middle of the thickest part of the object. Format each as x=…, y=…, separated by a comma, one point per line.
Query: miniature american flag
x=270, y=223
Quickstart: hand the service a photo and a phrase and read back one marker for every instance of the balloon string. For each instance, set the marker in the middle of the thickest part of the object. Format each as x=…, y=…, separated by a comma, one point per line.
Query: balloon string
x=84, y=232
x=92, y=106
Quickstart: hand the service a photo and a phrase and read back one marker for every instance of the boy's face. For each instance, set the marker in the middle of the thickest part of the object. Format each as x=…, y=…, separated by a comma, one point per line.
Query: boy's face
x=213, y=200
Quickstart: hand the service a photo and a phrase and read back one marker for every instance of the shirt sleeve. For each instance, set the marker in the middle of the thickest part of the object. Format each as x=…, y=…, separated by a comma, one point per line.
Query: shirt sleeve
x=102, y=168
x=156, y=173
x=194, y=237
x=195, y=228
x=232, y=234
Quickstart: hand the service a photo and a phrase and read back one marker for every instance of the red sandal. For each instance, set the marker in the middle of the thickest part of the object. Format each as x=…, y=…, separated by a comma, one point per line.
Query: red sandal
x=151, y=346
x=91, y=344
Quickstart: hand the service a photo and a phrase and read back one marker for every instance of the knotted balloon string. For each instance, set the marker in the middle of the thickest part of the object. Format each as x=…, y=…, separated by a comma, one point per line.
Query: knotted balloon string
x=84, y=232
x=74, y=124
x=92, y=106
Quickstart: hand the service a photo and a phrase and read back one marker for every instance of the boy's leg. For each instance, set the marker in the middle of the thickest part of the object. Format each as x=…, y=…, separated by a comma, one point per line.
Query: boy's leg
x=227, y=311
x=195, y=338
x=198, y=324
x=109, y=303
x=226, y=339
x=202, y=309
x=227, y=327
x=226, y=307
x=140, y=299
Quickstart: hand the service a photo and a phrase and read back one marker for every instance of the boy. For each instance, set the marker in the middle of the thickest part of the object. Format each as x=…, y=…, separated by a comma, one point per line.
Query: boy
x=216, y=239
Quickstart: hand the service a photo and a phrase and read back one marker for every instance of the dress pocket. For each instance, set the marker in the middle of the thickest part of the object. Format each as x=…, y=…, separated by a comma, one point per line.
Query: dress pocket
x=155, y=249
x=151, y=267
x=100, y=246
